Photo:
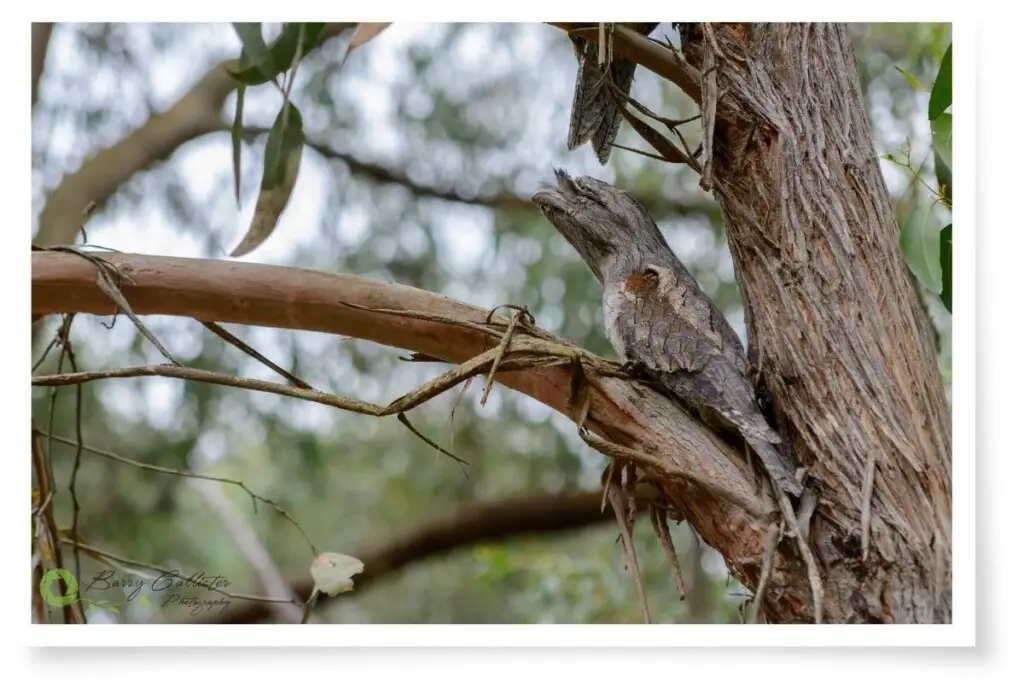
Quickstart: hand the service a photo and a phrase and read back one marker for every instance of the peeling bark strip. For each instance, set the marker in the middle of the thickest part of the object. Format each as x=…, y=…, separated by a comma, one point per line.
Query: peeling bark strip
x=834, y=323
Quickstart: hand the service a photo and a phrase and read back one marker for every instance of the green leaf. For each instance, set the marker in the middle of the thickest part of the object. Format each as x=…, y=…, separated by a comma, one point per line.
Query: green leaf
x=281, y=53
x=254, y=49
x=914, y=83
x=946, y=261
x=942, y=138
x=919, y=240
x=236, y=144
x=286, y=137
x=281, y=163
x=942, y=91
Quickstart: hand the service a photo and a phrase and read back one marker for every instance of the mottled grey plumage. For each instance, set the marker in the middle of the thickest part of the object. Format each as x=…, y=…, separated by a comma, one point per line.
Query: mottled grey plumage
x=657, y=316
x=595, y=117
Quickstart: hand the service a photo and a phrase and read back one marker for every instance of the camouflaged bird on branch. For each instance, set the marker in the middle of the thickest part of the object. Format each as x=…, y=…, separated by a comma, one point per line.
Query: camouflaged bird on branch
x=661, y=322
x=658, y=318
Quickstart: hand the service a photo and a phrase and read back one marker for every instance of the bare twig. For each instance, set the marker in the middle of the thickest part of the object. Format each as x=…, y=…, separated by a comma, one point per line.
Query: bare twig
x=813, y=575
x=542, y=355
x=75, y=507
x=191, y=475
x=612, y=471
x=248, y=350
x=659, y=520
x=630, y=491
x=405, y=421
x=771, y=542
x=46, y=530
x=248, y=541
x=108, y=279
x=451, y=415
x=617, y=498
x=513, y=322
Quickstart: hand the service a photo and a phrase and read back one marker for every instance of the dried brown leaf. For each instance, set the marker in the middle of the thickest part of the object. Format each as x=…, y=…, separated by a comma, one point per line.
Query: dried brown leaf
x=364, y=33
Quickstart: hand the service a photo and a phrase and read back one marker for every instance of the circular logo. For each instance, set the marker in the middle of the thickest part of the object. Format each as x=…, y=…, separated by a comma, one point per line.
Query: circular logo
x=52, y=598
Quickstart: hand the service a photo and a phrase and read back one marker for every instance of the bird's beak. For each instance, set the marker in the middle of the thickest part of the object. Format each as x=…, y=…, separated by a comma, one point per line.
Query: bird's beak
x=566, y=183
x=550, y=198
x=560, y=197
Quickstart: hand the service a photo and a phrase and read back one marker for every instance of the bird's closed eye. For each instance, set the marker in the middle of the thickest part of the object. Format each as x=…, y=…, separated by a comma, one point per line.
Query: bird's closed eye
x=591, y=195
x=586, y=187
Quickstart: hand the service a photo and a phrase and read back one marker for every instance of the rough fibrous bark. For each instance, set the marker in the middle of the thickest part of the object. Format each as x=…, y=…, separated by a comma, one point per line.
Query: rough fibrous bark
x=836, y=331
x=835, y=324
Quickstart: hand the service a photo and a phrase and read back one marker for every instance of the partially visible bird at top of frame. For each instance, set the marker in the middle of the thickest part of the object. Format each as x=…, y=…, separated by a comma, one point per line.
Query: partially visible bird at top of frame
x=595, y=117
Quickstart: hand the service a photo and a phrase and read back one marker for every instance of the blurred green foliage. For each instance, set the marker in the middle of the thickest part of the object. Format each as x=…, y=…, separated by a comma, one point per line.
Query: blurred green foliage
x=474, y=109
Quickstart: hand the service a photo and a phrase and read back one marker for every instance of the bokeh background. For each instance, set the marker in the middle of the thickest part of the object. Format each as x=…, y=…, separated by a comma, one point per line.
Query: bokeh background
x=429, y=141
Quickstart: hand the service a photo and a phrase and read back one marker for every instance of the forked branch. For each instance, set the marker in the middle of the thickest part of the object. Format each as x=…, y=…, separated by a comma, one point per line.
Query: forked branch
x=699, y=476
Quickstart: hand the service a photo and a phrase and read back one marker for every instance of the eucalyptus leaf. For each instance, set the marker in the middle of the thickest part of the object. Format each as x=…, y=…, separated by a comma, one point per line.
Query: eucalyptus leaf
x=914, y=83
x=281, y=163
x=281, y=53
x=919, y=240
x=946, y=261
x=942, y=138
x=942, y=91
x=236, y=144
x=254, y=49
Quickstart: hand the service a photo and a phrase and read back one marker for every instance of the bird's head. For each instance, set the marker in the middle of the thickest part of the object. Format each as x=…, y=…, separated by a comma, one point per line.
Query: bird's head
x=605, y=225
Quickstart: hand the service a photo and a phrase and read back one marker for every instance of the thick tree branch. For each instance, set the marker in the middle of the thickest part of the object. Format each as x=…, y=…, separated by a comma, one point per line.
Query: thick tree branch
x=198, y=112
x=536, y=514
x=707, y=480
x=41, y=33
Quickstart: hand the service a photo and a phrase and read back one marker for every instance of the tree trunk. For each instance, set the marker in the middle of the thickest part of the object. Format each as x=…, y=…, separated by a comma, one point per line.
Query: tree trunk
x=835, y=325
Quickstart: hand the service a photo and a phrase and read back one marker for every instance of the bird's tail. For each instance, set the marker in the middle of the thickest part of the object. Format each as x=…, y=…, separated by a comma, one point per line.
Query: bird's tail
x=595, y=115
